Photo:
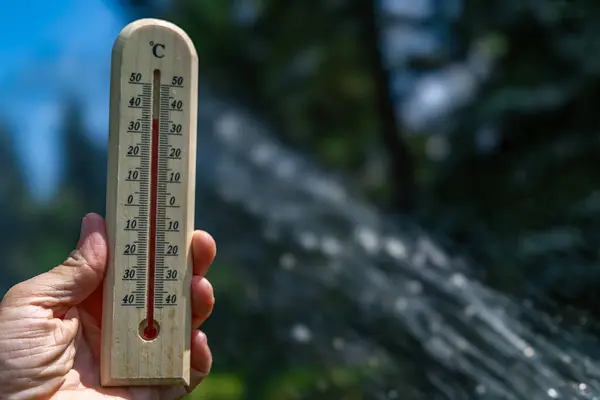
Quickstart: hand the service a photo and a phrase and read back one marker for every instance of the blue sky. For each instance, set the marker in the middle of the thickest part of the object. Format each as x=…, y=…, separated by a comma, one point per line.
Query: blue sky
x=56, y=48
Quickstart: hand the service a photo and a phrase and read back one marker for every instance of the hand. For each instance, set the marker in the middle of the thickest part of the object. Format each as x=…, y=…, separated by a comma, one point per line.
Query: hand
x=50, y=327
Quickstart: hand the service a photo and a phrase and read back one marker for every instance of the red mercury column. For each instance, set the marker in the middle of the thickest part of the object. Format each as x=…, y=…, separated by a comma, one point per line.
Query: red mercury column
x=151, y=331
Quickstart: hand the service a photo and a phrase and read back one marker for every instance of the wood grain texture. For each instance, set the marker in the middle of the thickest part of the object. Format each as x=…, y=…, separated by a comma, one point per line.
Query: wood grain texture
x=127, y=358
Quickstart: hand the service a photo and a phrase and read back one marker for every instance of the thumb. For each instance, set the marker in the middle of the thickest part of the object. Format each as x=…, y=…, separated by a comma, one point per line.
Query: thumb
x=71, y=282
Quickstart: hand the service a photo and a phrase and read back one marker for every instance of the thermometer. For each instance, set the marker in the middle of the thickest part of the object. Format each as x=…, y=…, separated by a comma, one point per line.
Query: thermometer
x=146, y=323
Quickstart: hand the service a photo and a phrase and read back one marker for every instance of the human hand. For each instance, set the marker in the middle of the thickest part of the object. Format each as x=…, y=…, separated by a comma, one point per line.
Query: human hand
x=50, y=327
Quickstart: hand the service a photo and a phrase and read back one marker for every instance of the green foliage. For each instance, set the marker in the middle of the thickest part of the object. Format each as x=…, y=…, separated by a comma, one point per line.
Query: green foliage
x=219, y=386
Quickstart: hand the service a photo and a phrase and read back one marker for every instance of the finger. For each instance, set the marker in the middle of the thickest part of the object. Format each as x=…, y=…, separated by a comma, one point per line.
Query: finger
x=204, y=250
x=91, y=332
x=71, y=282
x=203, y=300
x=201, y=359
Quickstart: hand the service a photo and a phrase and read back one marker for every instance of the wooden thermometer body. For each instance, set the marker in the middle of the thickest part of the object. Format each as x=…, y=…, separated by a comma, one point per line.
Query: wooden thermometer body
x=150, y=206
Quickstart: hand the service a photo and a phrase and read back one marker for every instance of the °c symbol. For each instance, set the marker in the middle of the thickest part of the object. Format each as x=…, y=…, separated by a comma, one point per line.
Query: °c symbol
x=155, y=49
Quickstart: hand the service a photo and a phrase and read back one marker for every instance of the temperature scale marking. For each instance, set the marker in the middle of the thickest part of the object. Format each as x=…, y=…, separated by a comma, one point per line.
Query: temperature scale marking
x=146, y=323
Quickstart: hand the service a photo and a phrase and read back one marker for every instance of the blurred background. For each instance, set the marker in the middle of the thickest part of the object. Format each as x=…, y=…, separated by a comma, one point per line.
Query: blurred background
x=404, y=193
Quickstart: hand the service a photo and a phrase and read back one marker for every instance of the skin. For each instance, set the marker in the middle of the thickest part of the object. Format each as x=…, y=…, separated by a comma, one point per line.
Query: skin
x=50, y=327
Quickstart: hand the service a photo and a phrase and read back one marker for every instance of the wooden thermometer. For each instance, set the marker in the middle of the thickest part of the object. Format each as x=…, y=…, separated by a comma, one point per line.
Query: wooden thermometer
x=150, y=206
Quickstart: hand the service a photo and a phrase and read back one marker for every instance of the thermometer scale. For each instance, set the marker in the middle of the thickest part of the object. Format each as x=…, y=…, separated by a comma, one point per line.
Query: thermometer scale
x=150, y=206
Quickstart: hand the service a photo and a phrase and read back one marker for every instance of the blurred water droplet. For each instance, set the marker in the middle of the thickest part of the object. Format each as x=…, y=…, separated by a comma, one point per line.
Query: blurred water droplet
x=227, y=126
x=401, y=304
x=261, y=154
x=414, y=287
x=470, y=311
x=287, y=261
x=331, y=246
x=480, y=390
x=368, y=240
x=419, y=259
x=308, y=240
x=529, y=352
x=458, y=280
x=433, y=252
x=301, y=333
x=339, y=343
x=286, y=169
x=395, y=248
x=462, y=344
